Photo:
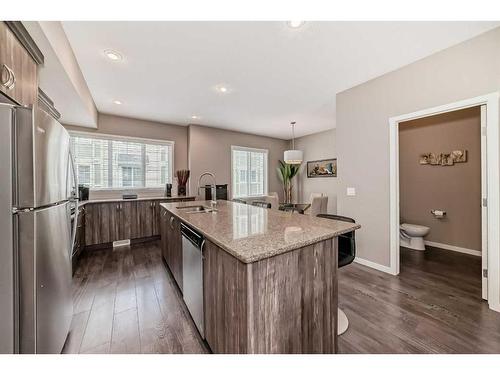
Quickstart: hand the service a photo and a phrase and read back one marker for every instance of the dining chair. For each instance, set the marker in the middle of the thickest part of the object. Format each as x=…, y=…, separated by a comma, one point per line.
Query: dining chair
x=319, y=205
x=274, y=200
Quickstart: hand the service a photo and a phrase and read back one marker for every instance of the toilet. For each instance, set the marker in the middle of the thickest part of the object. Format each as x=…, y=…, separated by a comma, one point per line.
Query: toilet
x=412, y=236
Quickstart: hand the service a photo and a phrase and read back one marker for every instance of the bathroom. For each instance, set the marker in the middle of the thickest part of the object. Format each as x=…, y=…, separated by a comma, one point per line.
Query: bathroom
x=440, y=184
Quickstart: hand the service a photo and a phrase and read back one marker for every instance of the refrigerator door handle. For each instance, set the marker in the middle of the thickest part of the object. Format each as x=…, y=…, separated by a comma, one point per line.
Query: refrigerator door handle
x=74, y=193
x=74, y=198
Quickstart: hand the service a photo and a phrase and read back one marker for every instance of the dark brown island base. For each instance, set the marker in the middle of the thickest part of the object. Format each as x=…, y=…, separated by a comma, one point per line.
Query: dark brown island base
x=269, y=277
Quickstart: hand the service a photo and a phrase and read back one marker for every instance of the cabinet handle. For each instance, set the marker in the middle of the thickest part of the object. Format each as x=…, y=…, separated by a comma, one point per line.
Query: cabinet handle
x=172, y=222
x=10, y=81
x=11, y=86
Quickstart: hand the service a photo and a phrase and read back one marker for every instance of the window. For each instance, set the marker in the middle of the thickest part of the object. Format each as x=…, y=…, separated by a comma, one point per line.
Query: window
x=109, y=162
x=84, y=174
x=249, y=171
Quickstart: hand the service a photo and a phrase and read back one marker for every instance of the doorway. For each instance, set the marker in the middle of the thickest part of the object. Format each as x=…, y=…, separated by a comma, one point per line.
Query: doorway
x=489, y=199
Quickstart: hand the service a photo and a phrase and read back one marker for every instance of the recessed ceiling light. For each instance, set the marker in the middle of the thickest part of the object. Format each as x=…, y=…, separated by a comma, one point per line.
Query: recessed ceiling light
x=194, y=117
x=295, y=24
x=113, y=55
x=117, y=102
x=222, y=88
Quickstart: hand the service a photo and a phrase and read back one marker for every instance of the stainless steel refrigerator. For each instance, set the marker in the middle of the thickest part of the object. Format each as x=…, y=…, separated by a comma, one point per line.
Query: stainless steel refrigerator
x=37, y=192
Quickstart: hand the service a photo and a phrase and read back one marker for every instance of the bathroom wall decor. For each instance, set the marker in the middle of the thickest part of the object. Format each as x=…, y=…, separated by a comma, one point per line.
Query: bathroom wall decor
x=459, y=156
x=444, y=159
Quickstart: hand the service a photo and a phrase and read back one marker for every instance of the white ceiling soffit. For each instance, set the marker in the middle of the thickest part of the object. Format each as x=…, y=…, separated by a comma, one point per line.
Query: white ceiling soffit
x=60, y=77
x=274, y=74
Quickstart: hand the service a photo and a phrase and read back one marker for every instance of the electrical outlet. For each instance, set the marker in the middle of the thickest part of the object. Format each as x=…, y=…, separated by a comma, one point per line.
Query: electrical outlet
x=351, y=192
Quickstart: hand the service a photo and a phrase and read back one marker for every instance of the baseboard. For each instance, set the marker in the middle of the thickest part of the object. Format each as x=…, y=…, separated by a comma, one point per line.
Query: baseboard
x=494, y=307
x=374, y=265
x=454, y=248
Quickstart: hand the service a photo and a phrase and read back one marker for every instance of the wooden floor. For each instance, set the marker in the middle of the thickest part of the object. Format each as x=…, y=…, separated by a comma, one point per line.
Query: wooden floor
x=433, y=306
x=126, y=302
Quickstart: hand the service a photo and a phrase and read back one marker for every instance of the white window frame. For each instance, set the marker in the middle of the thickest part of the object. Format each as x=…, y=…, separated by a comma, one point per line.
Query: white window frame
x=129, y=139
x=266, y=170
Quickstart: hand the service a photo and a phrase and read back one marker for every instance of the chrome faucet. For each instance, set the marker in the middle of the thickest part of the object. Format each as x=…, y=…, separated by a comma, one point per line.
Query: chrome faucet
x=213, y=188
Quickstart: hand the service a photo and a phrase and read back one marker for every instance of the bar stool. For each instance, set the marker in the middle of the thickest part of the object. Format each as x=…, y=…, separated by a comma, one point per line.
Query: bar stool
x=347, y=253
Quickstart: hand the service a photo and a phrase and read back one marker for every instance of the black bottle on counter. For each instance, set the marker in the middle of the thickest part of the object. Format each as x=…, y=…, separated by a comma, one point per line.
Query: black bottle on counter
x=168, y=190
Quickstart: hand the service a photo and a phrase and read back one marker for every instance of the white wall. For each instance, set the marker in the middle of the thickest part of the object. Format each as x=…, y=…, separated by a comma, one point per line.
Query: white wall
x=317, y=147
x=469, y=69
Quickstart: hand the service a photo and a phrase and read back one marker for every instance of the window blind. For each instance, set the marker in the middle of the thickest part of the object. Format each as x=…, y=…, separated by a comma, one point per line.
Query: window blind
x=249, y=171
x=118, y=162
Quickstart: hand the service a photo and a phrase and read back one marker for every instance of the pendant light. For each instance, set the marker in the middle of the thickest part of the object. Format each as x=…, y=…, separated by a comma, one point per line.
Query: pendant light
x=293, y=156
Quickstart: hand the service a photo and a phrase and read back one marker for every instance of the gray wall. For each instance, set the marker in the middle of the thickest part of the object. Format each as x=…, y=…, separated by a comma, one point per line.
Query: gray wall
x=210, y=150
x=455, y=189
x=316, y=147
x=464, y=71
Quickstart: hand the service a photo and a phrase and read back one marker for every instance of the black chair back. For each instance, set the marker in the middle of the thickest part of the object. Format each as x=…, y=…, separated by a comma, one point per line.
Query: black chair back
x=346, y=241
x=261, y=204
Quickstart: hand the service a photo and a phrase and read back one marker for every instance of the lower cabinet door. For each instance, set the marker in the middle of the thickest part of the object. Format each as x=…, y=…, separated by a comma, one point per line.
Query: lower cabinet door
x=156, y=218
x=172, y=245
x=164, y=234
x=102, y=223
x=128, y=225
x=145, y=218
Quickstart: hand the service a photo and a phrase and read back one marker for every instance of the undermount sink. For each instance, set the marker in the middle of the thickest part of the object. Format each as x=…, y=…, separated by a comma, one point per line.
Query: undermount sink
x=196, y=209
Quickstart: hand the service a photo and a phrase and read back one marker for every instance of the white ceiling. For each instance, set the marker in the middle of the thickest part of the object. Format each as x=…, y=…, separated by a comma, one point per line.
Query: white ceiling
x=276, y=74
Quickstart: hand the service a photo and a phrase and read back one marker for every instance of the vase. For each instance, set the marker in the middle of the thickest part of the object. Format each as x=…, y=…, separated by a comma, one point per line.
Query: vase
x=181, y=190
x=287, y=193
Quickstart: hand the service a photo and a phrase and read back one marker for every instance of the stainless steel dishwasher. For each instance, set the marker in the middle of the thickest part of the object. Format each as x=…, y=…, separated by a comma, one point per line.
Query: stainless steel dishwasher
x=192, y=274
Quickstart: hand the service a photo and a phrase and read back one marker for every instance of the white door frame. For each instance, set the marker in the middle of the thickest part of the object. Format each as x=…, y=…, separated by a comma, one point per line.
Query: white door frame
x=493, y=184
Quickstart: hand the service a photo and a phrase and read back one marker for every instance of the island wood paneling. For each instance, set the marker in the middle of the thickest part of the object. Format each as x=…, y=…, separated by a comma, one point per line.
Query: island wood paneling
x=283, y=304
x=294, y=301
x=225, y=301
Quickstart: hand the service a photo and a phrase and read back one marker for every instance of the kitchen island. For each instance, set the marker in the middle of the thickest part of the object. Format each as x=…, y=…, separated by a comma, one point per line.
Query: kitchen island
x=269, y=277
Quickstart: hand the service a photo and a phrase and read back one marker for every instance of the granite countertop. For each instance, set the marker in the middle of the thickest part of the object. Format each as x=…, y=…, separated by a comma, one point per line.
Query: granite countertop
x=113, y=200
x=252, y=233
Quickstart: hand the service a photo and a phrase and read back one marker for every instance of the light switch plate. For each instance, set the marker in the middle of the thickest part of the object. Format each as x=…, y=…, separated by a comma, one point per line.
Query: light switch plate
x=351, y=192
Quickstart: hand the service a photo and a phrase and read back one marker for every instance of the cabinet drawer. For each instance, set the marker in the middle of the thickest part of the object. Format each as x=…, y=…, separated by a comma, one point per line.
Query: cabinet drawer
x=18, y=71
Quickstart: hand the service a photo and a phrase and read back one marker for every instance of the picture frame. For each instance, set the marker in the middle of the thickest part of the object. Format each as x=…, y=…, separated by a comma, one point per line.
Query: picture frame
x=322, y=168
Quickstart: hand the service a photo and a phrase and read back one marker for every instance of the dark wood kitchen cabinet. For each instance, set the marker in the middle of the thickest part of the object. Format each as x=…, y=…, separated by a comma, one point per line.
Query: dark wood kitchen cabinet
x=128, y=225
x=122, y=220
x=18, y=70
x=171, y=242
x=102, y=223
x=157, y=218
x=108, y=222
x=79, y=244
x=145, y=218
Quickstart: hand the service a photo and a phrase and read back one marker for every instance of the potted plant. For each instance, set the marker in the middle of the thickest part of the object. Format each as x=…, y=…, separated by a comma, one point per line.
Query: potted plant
x=286, y=172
